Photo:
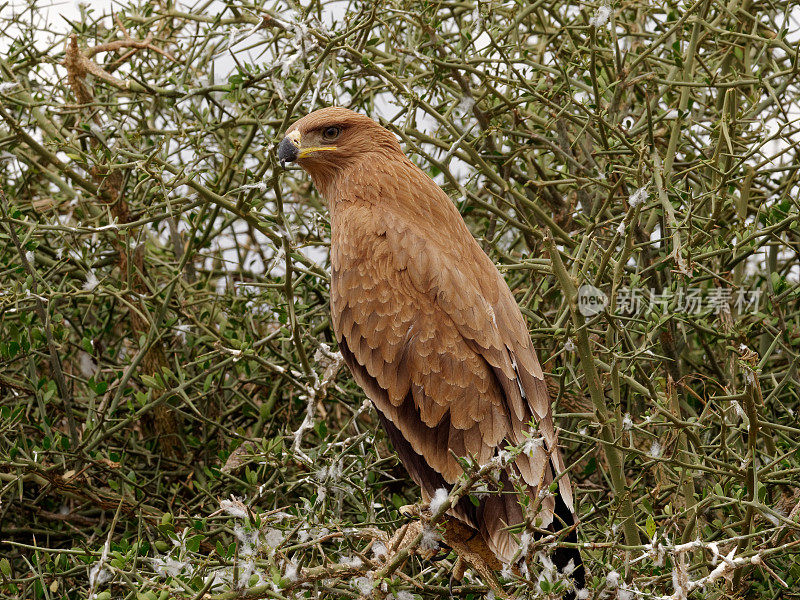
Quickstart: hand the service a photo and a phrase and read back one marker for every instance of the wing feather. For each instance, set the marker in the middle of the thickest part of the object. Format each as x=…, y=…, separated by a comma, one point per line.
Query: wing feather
x=432, y=333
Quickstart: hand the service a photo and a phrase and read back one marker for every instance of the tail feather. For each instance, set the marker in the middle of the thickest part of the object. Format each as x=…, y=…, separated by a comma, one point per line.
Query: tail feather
x=563, y=556
x=496, y=512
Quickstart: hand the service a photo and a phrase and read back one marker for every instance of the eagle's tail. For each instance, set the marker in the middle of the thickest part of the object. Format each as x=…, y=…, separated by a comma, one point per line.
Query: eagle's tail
x=496, y=511
x=568, y=560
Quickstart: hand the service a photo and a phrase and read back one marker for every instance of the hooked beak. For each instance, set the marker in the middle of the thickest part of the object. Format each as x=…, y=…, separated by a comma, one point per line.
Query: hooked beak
x=289, y=149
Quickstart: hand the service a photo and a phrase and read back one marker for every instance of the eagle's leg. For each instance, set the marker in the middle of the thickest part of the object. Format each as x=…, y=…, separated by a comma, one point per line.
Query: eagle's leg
x=472, y=551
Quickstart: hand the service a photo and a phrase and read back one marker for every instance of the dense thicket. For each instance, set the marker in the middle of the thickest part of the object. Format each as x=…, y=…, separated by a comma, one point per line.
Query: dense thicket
x=174, y=417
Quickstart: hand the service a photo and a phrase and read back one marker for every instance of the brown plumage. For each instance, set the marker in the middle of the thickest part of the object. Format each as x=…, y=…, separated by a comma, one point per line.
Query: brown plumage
x=427, y=325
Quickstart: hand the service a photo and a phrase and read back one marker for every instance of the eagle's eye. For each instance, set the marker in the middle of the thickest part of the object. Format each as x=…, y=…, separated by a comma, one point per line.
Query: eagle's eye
x=331, y=133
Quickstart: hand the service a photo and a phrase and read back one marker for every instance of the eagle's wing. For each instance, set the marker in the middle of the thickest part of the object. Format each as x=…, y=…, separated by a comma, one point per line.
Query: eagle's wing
x=441, y=349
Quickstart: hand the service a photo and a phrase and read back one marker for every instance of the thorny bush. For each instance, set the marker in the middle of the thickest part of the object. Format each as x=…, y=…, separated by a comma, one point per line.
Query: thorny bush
x=174, y=419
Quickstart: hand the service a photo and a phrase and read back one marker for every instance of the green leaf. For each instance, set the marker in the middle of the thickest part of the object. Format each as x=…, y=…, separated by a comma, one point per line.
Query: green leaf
x=207, y=383
x=5, y=567
x=650, y=527
x=151, y=382
x=193, y=543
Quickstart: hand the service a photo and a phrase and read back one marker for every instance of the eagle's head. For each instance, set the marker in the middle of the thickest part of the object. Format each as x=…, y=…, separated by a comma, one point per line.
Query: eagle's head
x=329, y=141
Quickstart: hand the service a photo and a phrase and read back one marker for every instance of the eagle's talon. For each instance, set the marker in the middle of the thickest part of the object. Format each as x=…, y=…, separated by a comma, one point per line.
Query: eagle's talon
x=409, y=510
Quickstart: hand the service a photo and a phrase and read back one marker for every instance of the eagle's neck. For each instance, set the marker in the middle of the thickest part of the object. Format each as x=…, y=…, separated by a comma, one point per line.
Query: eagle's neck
x=360, y=181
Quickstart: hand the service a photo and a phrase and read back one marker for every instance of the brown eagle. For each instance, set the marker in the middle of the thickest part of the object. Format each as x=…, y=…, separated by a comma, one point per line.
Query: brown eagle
x=429, y=328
